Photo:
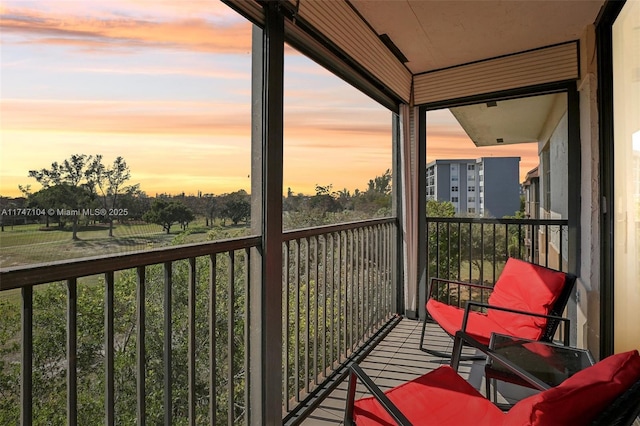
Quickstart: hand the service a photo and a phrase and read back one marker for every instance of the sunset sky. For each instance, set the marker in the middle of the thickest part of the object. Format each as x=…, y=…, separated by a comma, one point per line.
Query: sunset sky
x=166, y=85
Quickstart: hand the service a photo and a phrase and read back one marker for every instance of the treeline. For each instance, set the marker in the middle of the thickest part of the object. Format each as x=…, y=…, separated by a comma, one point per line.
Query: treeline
x=83, y=190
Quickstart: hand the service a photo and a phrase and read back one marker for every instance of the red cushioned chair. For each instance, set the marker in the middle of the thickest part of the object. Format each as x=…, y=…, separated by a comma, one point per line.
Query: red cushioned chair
x=527, y=301
x=607, y=393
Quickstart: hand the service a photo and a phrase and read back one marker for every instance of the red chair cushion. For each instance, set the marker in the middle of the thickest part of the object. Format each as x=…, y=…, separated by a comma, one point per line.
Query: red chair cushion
x=527, y=287
x=580, y=398
x=440, y=397
x=479, y=326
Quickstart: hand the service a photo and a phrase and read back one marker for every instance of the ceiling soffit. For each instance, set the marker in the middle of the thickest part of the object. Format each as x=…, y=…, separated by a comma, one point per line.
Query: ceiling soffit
x=437, y=34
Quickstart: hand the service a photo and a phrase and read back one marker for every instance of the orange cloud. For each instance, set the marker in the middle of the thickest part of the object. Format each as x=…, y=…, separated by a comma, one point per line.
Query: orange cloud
x=122, y=33
x=149, y=117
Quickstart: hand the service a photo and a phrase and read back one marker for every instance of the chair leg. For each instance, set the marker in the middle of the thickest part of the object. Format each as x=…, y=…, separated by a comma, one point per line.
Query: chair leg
x=487, y=387
x=424, y=328
x=351, y=393
x=456, y=353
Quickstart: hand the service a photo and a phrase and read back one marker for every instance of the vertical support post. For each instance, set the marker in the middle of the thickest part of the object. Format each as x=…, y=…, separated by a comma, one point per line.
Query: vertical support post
x=574, y=183
x=574, y=178
x=266, y=214
x=421, y=223
x=604, y=40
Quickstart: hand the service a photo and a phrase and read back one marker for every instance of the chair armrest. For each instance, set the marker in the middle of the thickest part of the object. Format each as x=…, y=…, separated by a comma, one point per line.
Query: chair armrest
x=470, y=303
x=355, y=372
x=455, y=282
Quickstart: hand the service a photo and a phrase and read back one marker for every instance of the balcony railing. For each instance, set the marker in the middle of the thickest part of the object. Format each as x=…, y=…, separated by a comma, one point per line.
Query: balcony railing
x=476, y=249
x=162, y=336
x=339, y=290
x=180, y=313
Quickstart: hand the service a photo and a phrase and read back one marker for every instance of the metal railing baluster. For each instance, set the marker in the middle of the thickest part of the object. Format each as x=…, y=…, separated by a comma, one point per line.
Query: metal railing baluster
x=141, y=367
x=316, y=323
x=296, y=322
x=72, y=352
x=109, y=349
x=247, y=337
x=213, y=367
x=307, y=303
x=167, y=345
x=191, y=350
x=231, y=306
x=285, y=324
x=26, y=358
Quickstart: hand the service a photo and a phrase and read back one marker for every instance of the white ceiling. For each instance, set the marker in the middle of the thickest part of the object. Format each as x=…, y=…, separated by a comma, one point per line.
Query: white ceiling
x=436, y=34
x=514, y=121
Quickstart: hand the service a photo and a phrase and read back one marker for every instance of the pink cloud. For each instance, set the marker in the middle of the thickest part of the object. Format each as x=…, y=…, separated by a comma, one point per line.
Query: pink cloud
x=116, y=32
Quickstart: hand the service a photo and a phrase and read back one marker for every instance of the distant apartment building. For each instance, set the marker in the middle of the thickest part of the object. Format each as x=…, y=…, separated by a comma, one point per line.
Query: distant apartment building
x=482, y=187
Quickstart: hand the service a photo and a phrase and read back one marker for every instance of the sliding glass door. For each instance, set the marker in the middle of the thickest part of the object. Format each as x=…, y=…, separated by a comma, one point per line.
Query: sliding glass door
x=626, y=152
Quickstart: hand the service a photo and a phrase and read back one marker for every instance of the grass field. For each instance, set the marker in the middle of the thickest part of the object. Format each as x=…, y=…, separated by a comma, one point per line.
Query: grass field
x=30, y=244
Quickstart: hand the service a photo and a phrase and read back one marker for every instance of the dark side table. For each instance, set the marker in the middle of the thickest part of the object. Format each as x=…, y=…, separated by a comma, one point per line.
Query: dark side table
x=535, y=364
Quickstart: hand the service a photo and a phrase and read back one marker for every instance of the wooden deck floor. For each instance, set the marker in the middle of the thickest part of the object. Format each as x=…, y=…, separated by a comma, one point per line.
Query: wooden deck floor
x=398, y=359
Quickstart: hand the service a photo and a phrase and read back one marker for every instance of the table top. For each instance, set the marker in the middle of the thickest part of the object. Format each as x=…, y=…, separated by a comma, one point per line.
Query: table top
x=548, y=363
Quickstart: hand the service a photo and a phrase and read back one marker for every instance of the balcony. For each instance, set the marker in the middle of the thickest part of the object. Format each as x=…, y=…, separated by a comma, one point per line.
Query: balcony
x=169, y=335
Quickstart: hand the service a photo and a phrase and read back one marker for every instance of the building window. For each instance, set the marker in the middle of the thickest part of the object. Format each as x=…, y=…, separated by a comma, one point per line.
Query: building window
x=471, y=167
x=472, y=199
x=471, y=177
x=471, y=210
x=454, y=199
x=454, y=189
x=472, y=189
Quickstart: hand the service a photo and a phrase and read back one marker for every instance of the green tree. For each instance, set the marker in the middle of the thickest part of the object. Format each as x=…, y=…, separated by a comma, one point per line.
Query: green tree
x=168, y=213
x=438, y=254
x=75, y=187
x=110, y=182
x=381, y=184
x=440, y=209
x=237, y=206
x=136, y=202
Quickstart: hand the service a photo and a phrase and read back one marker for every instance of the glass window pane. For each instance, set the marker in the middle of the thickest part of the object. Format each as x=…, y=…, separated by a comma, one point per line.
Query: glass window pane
x=626, y=97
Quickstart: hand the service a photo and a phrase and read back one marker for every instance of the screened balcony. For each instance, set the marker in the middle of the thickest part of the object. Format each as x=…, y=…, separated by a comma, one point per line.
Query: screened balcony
x=260, y=329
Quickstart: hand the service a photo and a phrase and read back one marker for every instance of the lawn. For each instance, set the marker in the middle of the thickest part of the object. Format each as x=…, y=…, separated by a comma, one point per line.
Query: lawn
x=29, y=244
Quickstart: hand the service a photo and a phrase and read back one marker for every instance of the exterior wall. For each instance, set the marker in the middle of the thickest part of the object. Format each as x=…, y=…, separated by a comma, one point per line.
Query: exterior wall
x=442, y=176
x=553, y=172
x=588, y=283
x=558, y=156
x=558, y=149
x=501, y=186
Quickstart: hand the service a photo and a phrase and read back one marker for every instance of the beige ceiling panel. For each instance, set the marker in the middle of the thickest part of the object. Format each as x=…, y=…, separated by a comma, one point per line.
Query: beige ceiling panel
x=546, y=65
x=337, y=21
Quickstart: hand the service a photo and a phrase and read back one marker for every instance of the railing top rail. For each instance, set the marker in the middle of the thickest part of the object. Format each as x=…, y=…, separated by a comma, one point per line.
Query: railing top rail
x=329, y=229
x=21, y=276
x=501, y=221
